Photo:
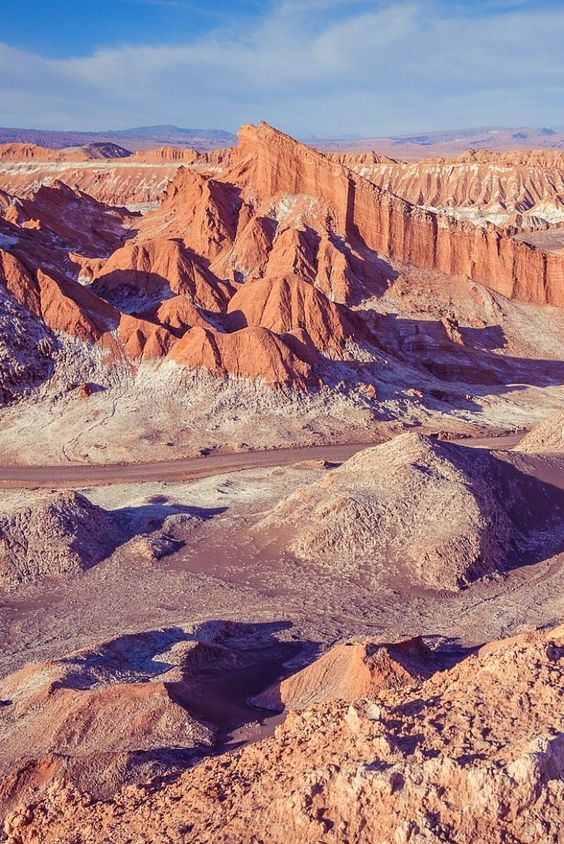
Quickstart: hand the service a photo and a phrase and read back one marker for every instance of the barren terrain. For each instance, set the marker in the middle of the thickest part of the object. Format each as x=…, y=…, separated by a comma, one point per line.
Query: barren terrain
x=282, y=495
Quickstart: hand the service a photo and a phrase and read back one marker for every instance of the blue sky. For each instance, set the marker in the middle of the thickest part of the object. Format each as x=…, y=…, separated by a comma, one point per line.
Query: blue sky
x=320, y=67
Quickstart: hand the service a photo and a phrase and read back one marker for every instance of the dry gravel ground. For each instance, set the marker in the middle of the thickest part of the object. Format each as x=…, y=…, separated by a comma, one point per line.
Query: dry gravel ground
x=223, y=569
x=188, y=565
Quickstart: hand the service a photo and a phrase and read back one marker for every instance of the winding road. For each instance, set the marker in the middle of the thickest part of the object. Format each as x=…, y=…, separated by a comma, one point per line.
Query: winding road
x=190, y=468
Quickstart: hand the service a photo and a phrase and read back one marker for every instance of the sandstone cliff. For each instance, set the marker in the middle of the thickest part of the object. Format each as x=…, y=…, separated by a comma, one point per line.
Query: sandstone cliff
x=276, y=165
x=251, y=270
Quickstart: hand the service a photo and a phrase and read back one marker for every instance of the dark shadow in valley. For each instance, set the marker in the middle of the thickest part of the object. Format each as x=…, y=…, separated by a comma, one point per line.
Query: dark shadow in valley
x=133, y=291
x=162, y=527
x=454, y=374
x=532, y=509
x=222, y=665
x=488, y=338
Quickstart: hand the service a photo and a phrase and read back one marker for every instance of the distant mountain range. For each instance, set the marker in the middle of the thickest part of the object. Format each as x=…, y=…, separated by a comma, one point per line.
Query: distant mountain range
x=142, y=137
x=452, y=142
x=415, y=146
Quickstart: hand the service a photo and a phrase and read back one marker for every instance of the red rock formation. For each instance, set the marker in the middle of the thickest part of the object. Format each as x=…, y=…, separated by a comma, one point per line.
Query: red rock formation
x=17, y=152
x=473, y=753
x=522, y=189
x=107, y=172
x=200, y=210
x=177, y=315
x=69, y=308
x=257, y=254
x=335, y=276
x=18, y=281
x=142, y=340
x=276, y=165
x=184, y=155
x=294, y=251
x=250, y=253
x=350, y=671
x=254, y=353
x=28, y=152
x=157, y=267
x=286, y=303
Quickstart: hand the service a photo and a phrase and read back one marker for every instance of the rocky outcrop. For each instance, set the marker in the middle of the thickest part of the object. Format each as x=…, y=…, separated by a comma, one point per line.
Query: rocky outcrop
x=285, y=304
x=421, y=511
x=253, y=352
x=58, y=534
x=276, y=165
x=183, y=155
x=473, y=753
x=253, y=269
x=17, y=152
x=72, y=219
x=69, y=308
x=201, y=211
x=546, y=436
x=106, y=171
x=350, y=671
x=522, y=188
x=95, y=719
x=154, y=270
x=27, y=347
x=138, y=707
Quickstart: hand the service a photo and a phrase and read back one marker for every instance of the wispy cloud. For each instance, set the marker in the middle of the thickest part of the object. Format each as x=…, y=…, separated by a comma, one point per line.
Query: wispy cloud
x=330, y=67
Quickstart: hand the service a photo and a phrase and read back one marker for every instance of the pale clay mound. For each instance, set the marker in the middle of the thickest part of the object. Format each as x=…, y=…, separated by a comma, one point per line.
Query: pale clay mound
x=472, y=754
x=61, y=533
x=547, y=436
x=102, y=717
x=126, y=710
x=437, y=513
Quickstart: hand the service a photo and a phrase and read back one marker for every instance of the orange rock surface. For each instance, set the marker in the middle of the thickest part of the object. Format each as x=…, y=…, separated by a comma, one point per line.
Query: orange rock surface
x=473, y=753
x=276, y=165
x=252, y=352
x=248, y=269
x=284, y=304
x=350, y=671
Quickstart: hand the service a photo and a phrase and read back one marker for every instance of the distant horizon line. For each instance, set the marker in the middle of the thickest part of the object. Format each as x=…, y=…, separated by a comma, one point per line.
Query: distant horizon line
x=414, y=134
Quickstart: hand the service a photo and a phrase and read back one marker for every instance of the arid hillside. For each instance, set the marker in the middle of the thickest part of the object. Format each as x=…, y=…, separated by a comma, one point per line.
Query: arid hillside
x=470, y=753
x=272, y=267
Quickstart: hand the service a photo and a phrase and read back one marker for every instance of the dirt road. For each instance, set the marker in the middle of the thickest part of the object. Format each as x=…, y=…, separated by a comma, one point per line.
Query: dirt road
x=191, y=468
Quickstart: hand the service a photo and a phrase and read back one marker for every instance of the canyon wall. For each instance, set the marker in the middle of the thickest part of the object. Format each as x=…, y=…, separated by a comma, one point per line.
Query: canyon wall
x=394, y=227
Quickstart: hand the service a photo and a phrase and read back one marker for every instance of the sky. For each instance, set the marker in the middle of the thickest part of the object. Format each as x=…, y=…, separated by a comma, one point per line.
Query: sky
x=310, y=67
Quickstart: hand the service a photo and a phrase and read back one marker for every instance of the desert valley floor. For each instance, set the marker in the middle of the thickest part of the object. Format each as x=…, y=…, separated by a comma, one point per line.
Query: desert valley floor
x=282, y=495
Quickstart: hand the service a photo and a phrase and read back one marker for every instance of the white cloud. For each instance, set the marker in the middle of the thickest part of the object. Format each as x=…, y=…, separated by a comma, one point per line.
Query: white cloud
x=366, y=67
